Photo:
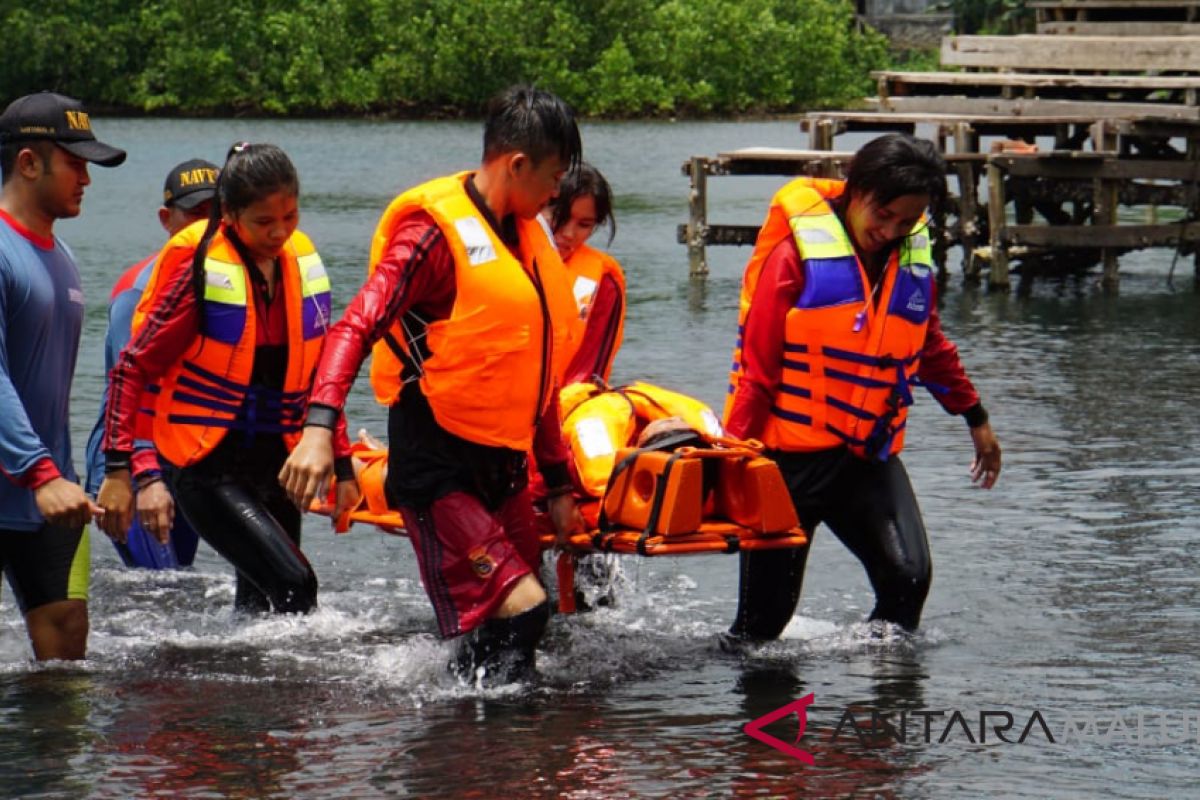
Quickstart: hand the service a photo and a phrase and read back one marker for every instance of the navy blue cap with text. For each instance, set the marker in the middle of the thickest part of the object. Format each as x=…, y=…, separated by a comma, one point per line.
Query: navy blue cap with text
x=60, y=119
x=191, y=183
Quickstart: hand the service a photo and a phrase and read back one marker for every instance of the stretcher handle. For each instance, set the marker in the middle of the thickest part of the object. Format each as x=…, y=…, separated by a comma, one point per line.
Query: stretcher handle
x=734, y=444
x=704, y=452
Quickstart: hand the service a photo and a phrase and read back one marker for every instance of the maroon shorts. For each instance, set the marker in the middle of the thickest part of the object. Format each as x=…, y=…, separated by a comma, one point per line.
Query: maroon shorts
x=470, y=558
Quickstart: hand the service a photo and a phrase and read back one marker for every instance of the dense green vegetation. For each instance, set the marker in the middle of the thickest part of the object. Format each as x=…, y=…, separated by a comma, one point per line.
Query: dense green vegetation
x=421, y=57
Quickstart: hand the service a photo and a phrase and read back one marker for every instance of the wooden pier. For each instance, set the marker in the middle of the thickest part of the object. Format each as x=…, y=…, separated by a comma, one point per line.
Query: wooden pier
x=1122, y=109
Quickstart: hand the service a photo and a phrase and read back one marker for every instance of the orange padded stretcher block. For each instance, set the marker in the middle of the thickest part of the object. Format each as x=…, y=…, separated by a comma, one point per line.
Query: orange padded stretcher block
x=632, y=495
x=751, y=492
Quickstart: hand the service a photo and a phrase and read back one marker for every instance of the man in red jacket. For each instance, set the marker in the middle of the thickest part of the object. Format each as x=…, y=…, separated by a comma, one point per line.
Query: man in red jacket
x=468, y=308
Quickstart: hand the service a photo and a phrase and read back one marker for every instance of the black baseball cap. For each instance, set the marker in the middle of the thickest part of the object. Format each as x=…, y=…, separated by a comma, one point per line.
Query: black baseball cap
x=191, y=183
x=59, y=119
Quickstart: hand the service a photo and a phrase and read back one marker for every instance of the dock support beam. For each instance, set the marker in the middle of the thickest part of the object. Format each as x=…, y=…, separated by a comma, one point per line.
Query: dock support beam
x=1104, y=204
x=966, y=140
x=697, y=217
x=998, y=273
x=820, y=134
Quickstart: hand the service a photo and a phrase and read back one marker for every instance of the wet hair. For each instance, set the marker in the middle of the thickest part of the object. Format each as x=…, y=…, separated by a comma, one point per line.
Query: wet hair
x=531, y=121
x=251, y=173
x=895, y=165
x=10, y=148
x=582, y=182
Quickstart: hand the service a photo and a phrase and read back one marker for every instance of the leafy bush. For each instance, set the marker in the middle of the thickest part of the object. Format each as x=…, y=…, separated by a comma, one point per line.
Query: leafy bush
x=609, y=57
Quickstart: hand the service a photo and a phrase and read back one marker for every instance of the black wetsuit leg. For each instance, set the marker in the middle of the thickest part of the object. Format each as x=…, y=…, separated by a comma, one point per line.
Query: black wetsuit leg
x=879, y=521
x=254, y=526
x=769, y=581
x=871, y=508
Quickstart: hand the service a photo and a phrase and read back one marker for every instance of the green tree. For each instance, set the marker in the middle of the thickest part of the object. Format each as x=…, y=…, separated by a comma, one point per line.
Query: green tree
x=608, y=57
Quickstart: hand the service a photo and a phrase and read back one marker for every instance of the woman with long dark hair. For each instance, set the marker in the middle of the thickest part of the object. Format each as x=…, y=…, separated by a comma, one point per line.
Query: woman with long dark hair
x=838, y=324
x=226, y=339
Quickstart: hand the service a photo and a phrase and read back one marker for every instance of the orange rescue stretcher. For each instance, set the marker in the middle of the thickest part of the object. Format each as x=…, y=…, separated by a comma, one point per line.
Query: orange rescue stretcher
x=725, y=497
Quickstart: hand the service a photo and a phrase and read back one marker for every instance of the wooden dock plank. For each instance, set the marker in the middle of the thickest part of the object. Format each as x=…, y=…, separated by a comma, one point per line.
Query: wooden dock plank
x=1102, y=53
x=785, y=161
x=1059, y=165
x=1097, y=236
x=1118, y=28
x=985, y=126
x=790, y=154
x=1032, y=107
x=1035, y=80
x=1110, y=5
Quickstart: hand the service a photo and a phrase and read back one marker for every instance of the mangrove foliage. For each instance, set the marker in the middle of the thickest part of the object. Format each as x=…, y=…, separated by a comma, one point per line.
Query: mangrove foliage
x=430, y=57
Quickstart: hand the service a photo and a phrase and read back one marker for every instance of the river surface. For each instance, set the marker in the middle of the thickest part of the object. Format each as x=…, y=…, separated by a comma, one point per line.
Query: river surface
x=1067, y=598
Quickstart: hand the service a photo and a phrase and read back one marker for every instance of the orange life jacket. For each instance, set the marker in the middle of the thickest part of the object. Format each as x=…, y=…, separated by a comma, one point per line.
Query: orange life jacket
x=494, y=361
x=848, y=362
x=587, y=268
x=207, y=391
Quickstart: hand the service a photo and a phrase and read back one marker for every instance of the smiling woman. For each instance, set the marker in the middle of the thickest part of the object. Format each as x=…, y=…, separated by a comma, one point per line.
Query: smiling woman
x=838, y=323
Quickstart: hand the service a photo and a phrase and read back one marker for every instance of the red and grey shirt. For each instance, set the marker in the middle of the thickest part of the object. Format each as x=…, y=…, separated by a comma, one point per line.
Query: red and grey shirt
x=41, y=318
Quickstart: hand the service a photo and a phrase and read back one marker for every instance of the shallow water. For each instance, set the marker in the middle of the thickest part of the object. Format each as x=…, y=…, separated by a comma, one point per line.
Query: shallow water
x=1069, y=593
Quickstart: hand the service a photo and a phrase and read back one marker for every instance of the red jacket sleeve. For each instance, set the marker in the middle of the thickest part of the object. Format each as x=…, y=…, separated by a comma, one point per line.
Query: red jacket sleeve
x=416, y=272
x=779, y=284
x=168, y=330
x=942, y=371
x=42, y=472
x=145, y=459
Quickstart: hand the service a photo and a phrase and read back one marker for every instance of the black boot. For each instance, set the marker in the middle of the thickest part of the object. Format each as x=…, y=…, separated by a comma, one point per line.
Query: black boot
x=504, y=648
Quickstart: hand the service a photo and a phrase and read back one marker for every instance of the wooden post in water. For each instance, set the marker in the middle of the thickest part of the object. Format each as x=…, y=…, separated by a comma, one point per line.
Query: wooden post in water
x=1193, y=209
x=966, y=140
x=998, y=273
x=697, y=217
x=1104, y=204
x=820, y=134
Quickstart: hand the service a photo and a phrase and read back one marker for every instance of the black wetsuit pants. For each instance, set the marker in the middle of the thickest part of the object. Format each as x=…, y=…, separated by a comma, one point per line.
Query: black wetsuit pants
x=870, y=507
x=234, y=501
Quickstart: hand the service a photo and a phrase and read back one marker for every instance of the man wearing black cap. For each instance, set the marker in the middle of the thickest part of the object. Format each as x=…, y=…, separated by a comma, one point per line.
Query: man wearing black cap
x=46, y=142
x=157, y=539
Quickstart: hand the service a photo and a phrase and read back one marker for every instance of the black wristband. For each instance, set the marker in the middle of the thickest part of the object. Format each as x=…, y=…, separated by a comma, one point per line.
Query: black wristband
x=116, y=460
x=976, y=415
x=147, y=477
x=322, y=416
x=343, y=469
x=555, y=476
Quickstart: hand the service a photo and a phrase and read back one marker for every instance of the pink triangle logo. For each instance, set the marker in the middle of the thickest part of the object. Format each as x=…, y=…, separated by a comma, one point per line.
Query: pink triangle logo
x=800, y=707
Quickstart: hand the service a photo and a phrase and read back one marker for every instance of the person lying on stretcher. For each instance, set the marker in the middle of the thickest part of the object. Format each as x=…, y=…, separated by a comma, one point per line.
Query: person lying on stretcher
x=598, y=422
x=628, y=444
